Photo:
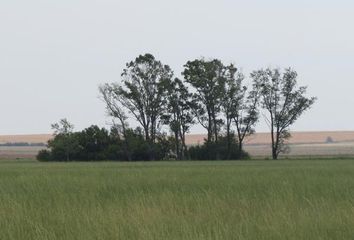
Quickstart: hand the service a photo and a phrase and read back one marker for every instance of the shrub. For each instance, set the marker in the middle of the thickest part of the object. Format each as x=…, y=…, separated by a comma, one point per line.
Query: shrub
x=217, y=151
x=44, y=156
x=96, y=144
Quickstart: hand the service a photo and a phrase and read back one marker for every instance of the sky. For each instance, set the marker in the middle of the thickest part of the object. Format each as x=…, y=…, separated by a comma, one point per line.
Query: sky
x=55, y=54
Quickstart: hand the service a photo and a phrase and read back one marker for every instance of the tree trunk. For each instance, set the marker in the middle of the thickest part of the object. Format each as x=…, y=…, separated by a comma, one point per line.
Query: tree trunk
x=240, y=138
x=228, y=123
x=178, y=151
x=215, y=131
x=215, y=126
x=274, y=144
x=210, y=131
x=148, y=139
x=184, y=147
x=240, y=149
x=274, y=153
x=146, y=131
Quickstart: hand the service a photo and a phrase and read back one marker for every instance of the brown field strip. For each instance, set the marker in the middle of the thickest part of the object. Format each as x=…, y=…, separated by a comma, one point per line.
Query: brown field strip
x=258, y=145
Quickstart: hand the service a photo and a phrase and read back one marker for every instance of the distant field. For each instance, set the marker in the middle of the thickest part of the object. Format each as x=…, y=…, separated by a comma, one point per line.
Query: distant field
x=257, y=151
x=177, y=200
x=302, y=144
x=297, y=137
x=23, y=152
x=258, y=138
x=33, y=138
x=306, y=144
x=306, y=150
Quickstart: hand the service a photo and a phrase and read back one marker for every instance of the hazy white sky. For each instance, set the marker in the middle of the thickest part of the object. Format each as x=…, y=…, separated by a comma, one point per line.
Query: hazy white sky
x=54, y=54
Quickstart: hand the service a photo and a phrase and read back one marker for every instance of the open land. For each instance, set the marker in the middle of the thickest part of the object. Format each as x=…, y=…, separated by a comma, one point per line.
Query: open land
x=306, y=197
x=287, y=199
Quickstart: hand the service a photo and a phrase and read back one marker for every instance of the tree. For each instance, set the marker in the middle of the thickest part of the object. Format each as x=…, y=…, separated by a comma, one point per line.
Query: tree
x=111, y=96
x=217, y=151
x=230, y=91
x=63, y=127
x=284, y=102
x=207, y=78
x=143, y=94
x=64, y=140
x=239, y=107
x=178, y=115
x=245, y=112
x=93, y=141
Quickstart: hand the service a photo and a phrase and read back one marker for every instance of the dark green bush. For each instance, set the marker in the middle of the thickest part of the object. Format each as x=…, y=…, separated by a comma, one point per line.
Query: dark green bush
x=217, y=151
x=44, y=156
x=97, y=144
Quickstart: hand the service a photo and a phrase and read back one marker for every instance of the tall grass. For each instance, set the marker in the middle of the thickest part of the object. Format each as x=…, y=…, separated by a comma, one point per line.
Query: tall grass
x=188, y=200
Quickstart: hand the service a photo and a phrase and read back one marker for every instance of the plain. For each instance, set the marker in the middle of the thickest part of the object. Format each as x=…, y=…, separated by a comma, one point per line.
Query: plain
x=284, y=199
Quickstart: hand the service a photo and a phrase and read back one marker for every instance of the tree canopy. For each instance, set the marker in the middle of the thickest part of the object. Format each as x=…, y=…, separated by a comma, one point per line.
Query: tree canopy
x=209, y=93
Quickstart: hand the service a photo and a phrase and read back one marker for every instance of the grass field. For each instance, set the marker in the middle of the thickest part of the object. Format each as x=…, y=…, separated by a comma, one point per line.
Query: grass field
x=295, y=199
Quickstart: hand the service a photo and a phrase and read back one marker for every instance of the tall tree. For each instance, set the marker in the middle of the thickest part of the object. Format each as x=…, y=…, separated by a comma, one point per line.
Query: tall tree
x=178, y=114
x=245, y=112
x=228, y=103
x=284, y=102
x=111, y=96
x=143, y=93
x=240, y=107
x=64, y=138
x=207, y=78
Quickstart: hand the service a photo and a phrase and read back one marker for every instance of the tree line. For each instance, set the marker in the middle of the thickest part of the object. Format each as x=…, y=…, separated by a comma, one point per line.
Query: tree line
x=210, y=93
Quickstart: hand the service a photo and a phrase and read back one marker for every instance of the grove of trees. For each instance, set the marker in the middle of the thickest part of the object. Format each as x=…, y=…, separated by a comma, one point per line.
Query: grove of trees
x=210, y=93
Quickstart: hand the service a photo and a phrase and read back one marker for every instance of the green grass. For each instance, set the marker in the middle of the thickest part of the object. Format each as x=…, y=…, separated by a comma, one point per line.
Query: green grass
x=169, y=200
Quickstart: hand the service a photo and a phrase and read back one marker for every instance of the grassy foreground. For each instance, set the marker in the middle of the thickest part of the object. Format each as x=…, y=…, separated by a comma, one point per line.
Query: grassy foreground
x=188, y=200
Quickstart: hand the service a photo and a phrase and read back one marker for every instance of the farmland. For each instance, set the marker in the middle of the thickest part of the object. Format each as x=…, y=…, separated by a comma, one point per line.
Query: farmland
x=257, y=151
x=19, y=152
x=287, y=199
x=302, y=144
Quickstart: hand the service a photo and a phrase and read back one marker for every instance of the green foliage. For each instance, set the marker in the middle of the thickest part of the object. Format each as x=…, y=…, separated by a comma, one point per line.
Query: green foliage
x=211, y=93
x=64, y=146
x=44, y=155
x=143, y=94
x=242, y=106
x=63, y=127
x=220, y=102
x=96, y=144
x=284, y=102
x=138, y=145
x=65, y=143
x=93, y=143
x=208, y=79
x=144, y=91
x=178, y=114
x=218, y=150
